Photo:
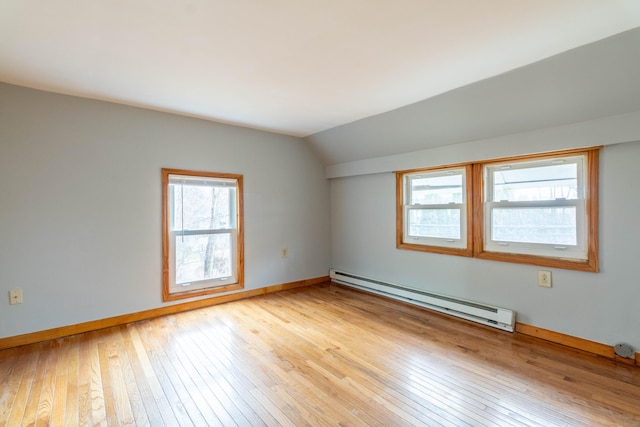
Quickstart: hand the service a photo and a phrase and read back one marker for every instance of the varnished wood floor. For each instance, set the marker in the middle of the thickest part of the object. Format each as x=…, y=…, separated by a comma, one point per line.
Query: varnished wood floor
x=321, y=355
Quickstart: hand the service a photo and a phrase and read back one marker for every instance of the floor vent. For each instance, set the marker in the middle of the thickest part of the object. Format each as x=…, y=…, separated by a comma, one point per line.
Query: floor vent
x=501, y=318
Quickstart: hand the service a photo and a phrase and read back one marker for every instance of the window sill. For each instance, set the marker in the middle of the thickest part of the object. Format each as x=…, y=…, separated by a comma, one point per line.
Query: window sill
x=435, y=249
x=589, y=265
x=200, y=292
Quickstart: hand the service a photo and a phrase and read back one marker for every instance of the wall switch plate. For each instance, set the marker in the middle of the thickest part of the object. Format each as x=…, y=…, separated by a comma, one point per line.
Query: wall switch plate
x=544, y=278
x=15, y=296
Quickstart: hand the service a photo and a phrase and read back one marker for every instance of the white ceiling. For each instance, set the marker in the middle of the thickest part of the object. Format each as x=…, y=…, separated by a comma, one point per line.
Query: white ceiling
x=295, y=67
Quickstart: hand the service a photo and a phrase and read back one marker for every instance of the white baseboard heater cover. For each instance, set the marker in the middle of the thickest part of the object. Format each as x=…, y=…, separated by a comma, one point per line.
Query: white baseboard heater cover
x=501, y=318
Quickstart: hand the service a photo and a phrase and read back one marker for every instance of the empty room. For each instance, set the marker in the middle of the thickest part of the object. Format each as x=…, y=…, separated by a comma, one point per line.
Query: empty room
x=408, y=213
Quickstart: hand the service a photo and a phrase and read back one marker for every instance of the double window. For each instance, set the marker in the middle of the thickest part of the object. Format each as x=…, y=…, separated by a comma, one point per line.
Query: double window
x=202, y=235
x=539, y=210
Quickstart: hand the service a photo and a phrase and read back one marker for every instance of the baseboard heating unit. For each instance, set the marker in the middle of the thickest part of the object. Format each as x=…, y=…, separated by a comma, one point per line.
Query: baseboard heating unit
x=501, y=318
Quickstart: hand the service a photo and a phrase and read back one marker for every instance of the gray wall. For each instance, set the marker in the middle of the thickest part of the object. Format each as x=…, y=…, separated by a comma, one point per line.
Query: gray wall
x=80, y=204
x=601, y=307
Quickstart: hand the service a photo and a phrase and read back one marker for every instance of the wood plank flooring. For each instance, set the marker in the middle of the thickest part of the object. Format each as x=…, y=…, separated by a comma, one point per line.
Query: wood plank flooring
x=316, y=356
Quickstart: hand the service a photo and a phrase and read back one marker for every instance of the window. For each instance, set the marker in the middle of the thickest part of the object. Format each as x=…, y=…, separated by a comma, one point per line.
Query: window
x=538, y=209
x=435, y=210
x=202, y=233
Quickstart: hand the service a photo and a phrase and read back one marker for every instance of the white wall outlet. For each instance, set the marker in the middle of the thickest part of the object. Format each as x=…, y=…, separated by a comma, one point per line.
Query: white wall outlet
x=284, y=252
x=544, y=278
x=15, y=296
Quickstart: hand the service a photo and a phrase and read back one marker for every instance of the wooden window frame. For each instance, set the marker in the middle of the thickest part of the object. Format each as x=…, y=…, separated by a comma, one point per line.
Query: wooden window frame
x=167, y=295
x=590, y=264
x=400, y=219
x=476, y=213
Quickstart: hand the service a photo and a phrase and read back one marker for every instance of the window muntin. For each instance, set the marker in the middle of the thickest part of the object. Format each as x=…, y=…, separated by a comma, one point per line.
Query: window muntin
x=536, y=207
x=203, y=239
x=435, y=212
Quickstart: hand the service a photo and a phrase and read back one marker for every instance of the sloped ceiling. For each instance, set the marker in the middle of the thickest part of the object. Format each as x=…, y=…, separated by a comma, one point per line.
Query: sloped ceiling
x=288, y=66
x=601, y=79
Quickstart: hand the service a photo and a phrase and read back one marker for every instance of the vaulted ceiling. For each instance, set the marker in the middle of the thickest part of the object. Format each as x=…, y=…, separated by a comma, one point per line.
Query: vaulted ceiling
x=288, y=66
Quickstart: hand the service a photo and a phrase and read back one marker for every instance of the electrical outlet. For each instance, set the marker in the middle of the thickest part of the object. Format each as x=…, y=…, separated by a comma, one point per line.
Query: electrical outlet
x=284, y=252
x=15, y=296
x=544, y=278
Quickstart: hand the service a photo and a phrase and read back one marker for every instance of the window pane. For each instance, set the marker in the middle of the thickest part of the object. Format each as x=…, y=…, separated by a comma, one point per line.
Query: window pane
x=435, y=190
x=201, y=207
x=536, y=183
x=203, y=257
x=535, y=225
x=439, y=223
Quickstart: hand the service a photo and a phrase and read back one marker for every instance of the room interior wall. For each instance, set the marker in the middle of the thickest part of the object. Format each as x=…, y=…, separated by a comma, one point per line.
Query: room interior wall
x=599, y=307
x=80, y=194
x=602, y=131
x=80, y=204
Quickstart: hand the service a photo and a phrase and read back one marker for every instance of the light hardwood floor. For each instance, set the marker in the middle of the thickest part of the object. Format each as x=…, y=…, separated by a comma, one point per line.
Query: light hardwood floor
x=319, y=355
